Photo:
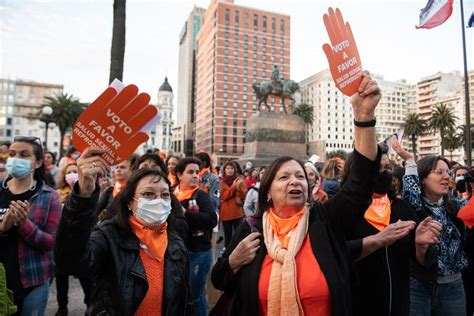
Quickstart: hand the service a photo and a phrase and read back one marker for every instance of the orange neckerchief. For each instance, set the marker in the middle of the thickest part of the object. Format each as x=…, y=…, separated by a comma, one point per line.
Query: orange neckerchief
x=172, y=178
x=284, y=226
x=184, y=194
x=204, y=171
x=118, y=186
x=378, y=213
x=156, y=240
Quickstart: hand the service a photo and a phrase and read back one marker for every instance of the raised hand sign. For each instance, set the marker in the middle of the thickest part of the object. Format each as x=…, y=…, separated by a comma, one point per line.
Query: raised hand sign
x=115, y=121
x=342, y=54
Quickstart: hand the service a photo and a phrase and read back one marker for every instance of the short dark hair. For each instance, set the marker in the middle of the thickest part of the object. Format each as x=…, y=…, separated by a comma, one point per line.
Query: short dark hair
x=205, y=159
x=183, y=163
x=267, y=181
x=120, y=204
x=169, y=158
x=154, y=157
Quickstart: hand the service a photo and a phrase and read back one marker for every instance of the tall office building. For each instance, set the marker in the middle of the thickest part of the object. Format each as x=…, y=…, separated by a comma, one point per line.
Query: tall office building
x=392, y=108
x=431, y=91
x=332, y=117
x=183, y=131
x=7, y=102
x=236, y=47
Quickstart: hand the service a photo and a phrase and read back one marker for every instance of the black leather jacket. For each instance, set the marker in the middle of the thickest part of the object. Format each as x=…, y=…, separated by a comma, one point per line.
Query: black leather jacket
x=112, y=257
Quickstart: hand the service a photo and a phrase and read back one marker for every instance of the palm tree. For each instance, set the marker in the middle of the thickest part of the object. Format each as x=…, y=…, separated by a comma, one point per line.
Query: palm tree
x=414, y=126
x=305, y=111
x=118, y=41
x=66, y=110
x=442, y=120
x=453, y=139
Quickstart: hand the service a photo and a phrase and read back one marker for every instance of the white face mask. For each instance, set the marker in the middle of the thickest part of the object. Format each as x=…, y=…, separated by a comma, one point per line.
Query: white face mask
x=71, y=178
x=152, y=212
x=458, y=178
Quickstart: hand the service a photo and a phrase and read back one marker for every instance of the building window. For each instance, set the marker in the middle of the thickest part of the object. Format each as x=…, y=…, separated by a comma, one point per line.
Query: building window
x=255, y=22
x=273, y=25
x=264, y=24
x=282, y=27
x=236, y=17
x=227, y=14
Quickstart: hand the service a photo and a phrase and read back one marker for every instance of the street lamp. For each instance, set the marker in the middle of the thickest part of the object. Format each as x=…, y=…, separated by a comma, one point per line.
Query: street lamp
x=46, y=119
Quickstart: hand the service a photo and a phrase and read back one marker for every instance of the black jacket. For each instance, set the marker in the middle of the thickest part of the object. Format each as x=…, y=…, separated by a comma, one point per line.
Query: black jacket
x=383, y=286
x=112, y=257
x=329, y=226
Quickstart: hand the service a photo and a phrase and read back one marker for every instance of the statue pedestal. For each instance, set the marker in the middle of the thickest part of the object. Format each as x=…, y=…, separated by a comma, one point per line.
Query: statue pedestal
x=272, y=135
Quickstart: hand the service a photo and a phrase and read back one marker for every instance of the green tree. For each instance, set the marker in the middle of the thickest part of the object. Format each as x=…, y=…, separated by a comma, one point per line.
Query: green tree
x=118, y=41
x=454, y=139
x=337, y=153
x=442, y=120
x=414, y=126
x=66, y=110
x=305, y=111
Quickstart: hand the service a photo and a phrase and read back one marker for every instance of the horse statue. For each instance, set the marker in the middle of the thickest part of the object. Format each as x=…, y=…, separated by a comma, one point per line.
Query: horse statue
x=280, y=88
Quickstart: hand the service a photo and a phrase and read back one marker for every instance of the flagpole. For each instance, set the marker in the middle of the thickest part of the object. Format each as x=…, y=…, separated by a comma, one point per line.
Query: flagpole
x=467, y=133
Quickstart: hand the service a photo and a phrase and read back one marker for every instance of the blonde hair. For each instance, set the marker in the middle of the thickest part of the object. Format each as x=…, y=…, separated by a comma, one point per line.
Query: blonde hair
x=329, y=169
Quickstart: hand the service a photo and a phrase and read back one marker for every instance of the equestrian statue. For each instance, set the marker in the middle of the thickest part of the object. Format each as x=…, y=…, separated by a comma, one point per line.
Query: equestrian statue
x=277, y=87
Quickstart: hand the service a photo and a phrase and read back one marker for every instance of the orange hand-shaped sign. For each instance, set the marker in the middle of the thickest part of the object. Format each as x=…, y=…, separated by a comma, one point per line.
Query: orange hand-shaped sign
x=342, y=54
x=115, y=121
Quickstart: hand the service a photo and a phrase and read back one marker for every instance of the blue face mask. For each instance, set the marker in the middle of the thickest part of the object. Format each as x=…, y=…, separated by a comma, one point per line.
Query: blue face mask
x=18, y=168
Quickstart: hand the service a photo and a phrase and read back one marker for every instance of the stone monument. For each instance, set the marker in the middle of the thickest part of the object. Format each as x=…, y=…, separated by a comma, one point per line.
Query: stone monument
x=271, y=135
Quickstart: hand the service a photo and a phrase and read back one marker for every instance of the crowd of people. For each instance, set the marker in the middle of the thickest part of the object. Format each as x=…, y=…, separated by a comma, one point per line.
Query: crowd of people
x=357, y=236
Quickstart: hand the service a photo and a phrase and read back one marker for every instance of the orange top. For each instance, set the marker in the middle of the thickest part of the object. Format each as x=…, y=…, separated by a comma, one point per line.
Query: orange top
x=313, y=289
x=151, y=304
x=378, y=213
x=232, y=200
x=155, y=239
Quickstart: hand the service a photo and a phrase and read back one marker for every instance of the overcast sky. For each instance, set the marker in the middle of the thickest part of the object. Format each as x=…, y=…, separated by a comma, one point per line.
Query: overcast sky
x=68, y=41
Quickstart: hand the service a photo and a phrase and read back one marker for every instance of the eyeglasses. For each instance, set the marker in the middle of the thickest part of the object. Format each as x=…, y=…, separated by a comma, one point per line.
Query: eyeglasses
x=152, y=196
x=441, y=172
x=28, y=139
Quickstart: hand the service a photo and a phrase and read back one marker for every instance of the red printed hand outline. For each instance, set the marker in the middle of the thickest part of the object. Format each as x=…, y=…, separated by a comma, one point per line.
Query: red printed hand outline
x=342, y=54
x=123, y=138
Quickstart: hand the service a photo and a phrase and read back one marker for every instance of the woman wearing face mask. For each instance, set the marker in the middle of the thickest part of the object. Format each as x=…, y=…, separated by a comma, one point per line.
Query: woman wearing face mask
x=385, y=240
x=201, y=217
x=67, y=178
x=139, y=265
x=436, y=286
x=29, y=215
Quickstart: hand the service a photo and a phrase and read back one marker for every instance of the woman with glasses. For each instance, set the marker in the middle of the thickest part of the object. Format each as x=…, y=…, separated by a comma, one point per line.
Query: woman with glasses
x=202, y=218
x=29, y=215
x=138, y=264
x=436, y=286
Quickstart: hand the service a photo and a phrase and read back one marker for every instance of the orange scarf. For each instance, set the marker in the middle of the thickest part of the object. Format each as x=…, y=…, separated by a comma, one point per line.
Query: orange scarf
x=184, y=194
x=378, y=213
x=119, y=185
x=204, y=171
x=283, y=227
x=155, y=240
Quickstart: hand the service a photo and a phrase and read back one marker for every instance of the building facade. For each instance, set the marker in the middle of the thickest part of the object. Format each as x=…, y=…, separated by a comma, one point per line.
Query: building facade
x=186, y=82
x=431, y=91
x=7, y=102
x=332, y=116
x=236, y=47
x=29, y=101
x=160, y=135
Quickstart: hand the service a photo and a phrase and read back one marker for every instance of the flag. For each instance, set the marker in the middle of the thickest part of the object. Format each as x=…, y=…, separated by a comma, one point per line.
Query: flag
x=435, y=13
x=471, y=20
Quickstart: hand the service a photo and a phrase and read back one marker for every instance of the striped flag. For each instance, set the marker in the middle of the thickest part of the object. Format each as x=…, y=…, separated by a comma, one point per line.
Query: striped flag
x=435, y=13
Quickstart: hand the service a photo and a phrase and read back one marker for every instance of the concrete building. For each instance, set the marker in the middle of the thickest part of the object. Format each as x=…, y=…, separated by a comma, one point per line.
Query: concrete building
x=7, y=102
x=186, y=81
x=236, y=47
x=333, y=118
x=29, y=101
x=392, y=108
x=160, y=135
x=433, y=90
x=454, y=101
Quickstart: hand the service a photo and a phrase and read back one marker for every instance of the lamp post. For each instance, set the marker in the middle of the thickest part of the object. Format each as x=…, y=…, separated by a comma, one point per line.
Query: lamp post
x=46, y=119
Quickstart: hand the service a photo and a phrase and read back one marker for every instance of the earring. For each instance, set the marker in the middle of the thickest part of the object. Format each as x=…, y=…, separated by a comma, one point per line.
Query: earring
x=269, y=200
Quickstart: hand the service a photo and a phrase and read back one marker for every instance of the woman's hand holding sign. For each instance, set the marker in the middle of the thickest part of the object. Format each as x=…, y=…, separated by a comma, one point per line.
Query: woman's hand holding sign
x=89, y=165
x=342, y=54
x=113, y=122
